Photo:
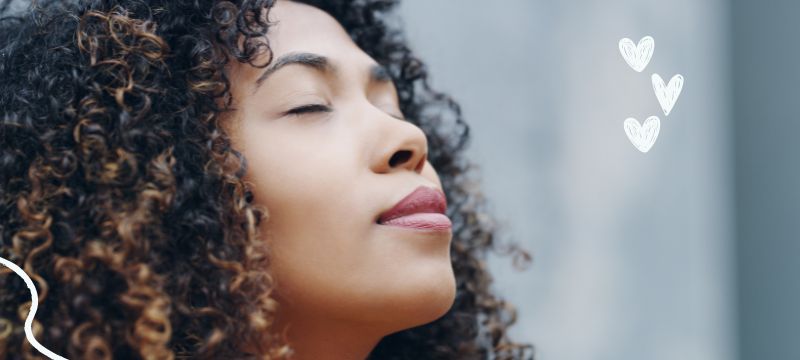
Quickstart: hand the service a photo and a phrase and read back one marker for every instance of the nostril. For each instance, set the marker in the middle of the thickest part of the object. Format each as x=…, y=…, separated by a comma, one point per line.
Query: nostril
x=399, y=157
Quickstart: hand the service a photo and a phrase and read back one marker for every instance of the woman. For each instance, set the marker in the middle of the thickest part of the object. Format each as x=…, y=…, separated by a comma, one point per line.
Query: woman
x=231, y=180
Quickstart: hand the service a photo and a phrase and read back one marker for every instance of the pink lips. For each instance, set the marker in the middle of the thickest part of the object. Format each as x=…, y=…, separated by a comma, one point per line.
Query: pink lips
x=424, y=209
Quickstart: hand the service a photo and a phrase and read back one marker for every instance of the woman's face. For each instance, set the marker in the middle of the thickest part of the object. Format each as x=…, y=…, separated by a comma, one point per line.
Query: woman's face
x=325, y=176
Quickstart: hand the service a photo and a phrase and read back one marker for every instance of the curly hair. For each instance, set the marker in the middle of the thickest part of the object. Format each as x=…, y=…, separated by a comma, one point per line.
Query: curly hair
x=123, y=199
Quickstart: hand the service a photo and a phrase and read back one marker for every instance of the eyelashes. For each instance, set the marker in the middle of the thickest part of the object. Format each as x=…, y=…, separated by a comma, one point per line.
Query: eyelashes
x=311, y=108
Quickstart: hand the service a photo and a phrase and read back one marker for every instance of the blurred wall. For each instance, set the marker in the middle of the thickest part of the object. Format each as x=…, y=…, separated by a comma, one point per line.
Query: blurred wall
x=633, y=252
x=766, y=56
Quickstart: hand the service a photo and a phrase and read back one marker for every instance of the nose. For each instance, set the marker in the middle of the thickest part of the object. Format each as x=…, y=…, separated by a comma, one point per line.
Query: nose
x=403, y=146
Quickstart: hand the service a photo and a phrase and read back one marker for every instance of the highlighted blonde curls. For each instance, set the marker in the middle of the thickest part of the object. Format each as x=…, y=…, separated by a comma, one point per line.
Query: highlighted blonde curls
x=119, y=194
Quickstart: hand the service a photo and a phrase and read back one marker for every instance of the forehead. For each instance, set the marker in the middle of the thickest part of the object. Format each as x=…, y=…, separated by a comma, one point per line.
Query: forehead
x=302, y=27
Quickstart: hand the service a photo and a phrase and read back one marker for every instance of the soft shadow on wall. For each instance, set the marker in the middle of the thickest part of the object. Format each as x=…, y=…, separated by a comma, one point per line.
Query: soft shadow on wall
x=766, y=56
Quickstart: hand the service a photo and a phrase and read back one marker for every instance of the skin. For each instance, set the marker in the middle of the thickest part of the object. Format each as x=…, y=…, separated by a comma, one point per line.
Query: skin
x=343, y=282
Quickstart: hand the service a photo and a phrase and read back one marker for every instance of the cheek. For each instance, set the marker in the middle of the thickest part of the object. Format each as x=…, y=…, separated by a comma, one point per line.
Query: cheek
x=307, y=189
x=317, y=222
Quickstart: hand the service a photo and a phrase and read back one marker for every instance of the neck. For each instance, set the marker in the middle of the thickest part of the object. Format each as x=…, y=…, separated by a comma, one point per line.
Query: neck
x=313, y=336
x=324, y=339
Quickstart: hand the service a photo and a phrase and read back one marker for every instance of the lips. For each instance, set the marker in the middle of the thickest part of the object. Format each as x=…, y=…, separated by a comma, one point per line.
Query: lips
x=425, y=207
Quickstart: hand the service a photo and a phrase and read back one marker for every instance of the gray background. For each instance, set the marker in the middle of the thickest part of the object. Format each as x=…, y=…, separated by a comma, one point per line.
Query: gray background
x=686, y=252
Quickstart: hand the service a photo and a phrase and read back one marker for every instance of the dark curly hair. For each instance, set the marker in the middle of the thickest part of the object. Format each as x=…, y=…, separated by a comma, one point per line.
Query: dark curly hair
x=123, y=199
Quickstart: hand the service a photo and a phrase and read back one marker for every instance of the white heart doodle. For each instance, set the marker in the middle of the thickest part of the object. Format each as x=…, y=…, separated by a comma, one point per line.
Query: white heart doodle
x=643, y=136
x=637, y=56
x=668, y=94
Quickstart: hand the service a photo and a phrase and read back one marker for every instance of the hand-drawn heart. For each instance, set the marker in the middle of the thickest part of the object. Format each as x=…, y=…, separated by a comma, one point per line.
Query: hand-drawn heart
x=643, y=136
x=667, y=94
x=637, y=56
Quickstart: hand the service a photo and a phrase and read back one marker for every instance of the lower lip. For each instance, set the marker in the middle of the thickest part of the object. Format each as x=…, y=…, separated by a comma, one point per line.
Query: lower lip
x=422, y=221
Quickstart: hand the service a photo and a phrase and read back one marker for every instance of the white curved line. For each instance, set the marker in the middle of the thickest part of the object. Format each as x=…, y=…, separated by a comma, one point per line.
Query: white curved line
x=32, y=313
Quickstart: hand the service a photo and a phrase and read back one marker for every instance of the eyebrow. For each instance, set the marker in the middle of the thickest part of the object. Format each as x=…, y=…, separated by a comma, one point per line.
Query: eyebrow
x=377, y=72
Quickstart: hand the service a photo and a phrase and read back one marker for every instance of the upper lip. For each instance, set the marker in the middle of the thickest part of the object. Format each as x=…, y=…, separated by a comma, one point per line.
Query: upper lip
x=423, y=199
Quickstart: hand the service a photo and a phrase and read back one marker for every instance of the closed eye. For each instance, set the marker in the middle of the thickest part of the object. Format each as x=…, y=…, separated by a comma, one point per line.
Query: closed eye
x=311, y=108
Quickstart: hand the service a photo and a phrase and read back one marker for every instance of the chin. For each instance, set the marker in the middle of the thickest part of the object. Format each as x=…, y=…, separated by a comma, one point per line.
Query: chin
x=445, y=299
x=428, y=301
